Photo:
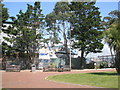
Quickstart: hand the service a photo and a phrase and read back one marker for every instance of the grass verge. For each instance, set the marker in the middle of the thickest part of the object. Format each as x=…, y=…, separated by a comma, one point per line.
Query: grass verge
x=101, y=79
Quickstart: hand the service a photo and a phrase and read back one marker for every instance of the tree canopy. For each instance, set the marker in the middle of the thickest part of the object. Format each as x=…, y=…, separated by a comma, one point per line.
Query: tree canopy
x=24, y=34
x=87, y=28
x=112, y=35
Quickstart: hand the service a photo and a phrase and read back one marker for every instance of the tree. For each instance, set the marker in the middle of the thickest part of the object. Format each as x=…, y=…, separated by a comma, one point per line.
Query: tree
x=62, y=12
x=3, y=13
x=25, y=33
x=107, y=22
x=112, y=35
x=87, y=28
x=52, y=28
x=5, y=49
x=112, y=18
x=4, y=16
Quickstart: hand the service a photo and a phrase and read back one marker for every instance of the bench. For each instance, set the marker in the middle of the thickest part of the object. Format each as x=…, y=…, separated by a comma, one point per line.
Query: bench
x=64, y=68
x=48, y=68
x=59, y=69
x=13, y=68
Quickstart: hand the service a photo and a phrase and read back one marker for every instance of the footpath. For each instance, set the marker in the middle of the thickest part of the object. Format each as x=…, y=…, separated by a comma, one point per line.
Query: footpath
x=27, y=79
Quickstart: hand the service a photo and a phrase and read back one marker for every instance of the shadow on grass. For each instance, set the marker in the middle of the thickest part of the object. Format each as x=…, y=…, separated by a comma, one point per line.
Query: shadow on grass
x=103, y=73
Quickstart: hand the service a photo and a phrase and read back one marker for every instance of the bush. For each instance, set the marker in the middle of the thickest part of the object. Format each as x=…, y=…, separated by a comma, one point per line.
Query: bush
x=90, y=65
x=103, y=64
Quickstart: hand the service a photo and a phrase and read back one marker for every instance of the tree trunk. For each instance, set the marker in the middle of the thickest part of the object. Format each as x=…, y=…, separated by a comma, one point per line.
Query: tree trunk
x=113, y=59
x=53, y=34
x=65, y=45
x=82, y=59
x=4, y=62
x=117, y=62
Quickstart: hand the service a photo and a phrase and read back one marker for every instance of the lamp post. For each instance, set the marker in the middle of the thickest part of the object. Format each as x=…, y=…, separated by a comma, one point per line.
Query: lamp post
x=70, y=46
x=70, y=55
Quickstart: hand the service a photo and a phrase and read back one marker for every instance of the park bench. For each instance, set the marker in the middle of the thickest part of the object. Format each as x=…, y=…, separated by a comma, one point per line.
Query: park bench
x=64, y=68
x=48, y=68
x=12, y=68
x=60, y=69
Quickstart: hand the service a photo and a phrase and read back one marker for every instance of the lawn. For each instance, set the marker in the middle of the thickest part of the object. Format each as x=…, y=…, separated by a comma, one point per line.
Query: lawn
x=101, y=79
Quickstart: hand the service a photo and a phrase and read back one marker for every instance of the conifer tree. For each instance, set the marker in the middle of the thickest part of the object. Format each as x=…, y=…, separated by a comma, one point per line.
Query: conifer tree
x=87, y=28
x=52, y=28
x=24, y=34
x=62, y=12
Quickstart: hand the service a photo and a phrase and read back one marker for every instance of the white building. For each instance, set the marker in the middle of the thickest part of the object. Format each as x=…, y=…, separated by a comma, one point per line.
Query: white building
x=2, y=34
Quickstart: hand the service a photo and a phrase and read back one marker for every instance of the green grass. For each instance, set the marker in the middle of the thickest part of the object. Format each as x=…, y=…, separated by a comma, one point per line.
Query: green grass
x=101, y=79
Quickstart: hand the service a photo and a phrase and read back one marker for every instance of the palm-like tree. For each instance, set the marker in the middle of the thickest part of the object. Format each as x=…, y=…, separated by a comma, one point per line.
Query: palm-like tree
x=112, y=37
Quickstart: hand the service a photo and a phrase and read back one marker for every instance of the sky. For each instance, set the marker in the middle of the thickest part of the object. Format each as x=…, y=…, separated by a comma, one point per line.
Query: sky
x=47, y=7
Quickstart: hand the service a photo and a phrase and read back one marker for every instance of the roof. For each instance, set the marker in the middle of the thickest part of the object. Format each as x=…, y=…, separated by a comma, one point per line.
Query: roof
x=63, y=52
x=8, y=22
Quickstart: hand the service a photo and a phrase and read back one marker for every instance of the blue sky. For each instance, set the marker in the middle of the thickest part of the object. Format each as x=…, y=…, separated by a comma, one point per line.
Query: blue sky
x=47, y=7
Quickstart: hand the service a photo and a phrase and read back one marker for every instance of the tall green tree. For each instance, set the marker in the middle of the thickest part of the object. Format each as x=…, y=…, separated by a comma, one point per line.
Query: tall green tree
x=62, y=12
x=112, y=35
x=3, y=18
x=4, y=47
x=25, y=33
x=107, y=22
x=52, y=28
x=87, y=28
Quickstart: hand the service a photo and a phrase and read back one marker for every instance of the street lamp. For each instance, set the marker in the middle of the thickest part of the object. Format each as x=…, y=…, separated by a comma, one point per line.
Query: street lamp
x=70, y=46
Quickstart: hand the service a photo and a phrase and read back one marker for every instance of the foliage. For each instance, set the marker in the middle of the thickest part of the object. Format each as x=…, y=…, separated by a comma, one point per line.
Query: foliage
x=112, y=36
x=52, y=28
x=62, y=11
x=87, y=28
x=90, y=65
x=59, y=26
x=24, y=33
x=5, y=48
x=103, y=64
x=112, y=18
x=4, y=13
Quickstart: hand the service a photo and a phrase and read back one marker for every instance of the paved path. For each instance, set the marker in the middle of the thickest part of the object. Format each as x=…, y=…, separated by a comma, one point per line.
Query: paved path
x=27, y=79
